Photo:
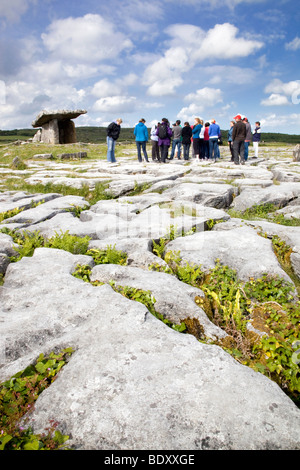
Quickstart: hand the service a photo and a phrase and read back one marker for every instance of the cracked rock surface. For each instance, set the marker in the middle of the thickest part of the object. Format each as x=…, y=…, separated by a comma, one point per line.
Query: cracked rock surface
x=132, y=382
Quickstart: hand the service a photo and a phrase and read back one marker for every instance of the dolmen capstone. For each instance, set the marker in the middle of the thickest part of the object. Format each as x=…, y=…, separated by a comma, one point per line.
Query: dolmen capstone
x=57, y=127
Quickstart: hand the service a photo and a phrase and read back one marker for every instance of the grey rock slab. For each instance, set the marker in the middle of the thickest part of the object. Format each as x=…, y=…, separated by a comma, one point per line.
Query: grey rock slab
x=7, y=249
x=125, y=210
x=127, y=244
x=290, y=211
x=161, y=186
x=48, y=210
x=104, y=221
x=287, y=174
x=132, y=383
x=242, y=249
x=32, y=309
x=174, y=299
x=4, y=262
x=144, y=201
x=138, y=250
x=242, y=183
x=63, y=180
x=219, y=196
x=7, y=244
x=156, y=222
x=24, y=200
x=64, y=222
x=231, y=172
x=279, y=195
x=295, y=262
x=122, y=185
x=291, y=235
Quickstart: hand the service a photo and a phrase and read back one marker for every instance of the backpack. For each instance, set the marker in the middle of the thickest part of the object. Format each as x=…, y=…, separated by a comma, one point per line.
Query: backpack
x=162, y=131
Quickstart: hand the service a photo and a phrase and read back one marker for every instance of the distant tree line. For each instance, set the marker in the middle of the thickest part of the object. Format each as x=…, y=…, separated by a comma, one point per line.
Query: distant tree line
x=96, y=135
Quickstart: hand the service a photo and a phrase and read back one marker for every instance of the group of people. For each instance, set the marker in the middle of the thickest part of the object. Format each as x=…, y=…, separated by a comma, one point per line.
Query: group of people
x=202, y=138
x=239, y=137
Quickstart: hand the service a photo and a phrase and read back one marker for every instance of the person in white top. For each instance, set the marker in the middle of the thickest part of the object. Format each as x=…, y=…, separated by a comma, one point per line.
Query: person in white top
x=256, y=138
x=154, y=141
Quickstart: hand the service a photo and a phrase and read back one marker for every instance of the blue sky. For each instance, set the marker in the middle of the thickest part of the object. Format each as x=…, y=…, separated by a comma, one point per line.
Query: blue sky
x=151, y=59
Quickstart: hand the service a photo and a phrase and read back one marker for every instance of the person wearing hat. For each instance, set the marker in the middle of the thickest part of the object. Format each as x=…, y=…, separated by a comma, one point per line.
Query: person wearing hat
x=238, y=139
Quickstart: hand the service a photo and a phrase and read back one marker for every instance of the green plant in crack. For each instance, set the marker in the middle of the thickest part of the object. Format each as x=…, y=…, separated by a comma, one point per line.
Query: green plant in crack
x=27, y=242
x=10, y=213
x=147, y=299
x=268, y=302
x=109, y=255
x=264, y=211
x=72, y=243
x=17, y=398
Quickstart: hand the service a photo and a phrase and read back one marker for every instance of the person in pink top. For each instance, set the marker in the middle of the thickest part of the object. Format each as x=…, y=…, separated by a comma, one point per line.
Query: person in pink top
x=206, y=141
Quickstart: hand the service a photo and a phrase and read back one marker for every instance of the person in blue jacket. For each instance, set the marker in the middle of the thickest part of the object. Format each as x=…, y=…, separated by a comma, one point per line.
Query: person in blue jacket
x=141, y=139
x=214, y=133
x=196, y=137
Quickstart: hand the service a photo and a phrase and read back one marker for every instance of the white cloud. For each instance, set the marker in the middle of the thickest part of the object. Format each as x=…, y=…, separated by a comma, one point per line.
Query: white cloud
x=223, y=42
x=282, y=93
x=115, y=104
x=104, y=88
x=277, y=86
x=220, y=42
x=164, y=75
x=205, y=96
x=294, y=45
x=24, y=100
x=164, y=87
x=200, y=101
x=280, y=123
x=275, y=99
x=87, y=39
x=112, y=94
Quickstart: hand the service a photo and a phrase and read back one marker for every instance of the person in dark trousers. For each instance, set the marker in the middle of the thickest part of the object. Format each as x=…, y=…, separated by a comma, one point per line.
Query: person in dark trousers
x=248, y=137
x=238, y=138
x=186, y=140
x=176, y=142
x=154, y=141
x=229, y=139
x=141, y=139
x=164, y=139
x=206, y=141
x=112, y=135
